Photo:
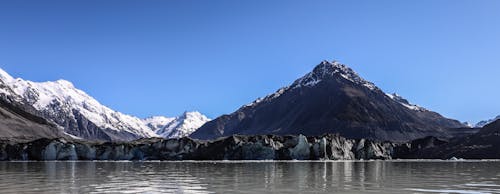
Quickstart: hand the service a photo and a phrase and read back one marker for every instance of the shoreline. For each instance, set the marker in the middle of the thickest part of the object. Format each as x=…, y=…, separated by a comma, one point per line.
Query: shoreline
x=249, y=161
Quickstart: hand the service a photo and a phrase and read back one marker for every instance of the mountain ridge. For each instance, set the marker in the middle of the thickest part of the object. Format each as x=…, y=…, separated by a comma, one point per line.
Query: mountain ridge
x=486, y=122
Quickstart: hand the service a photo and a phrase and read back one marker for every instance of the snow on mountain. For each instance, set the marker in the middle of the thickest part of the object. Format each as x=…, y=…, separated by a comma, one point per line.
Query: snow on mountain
x=59, y=97
x=324, y=70
x=405, y=102
x=486, y=122
x=328, y=69
x=155, y=123
x=183, y=125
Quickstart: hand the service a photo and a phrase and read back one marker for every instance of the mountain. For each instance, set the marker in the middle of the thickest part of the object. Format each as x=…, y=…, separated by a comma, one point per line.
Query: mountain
x=155, y=123
x=77, y=112
x=486, y=122
x=182, y=126
x=331, y=99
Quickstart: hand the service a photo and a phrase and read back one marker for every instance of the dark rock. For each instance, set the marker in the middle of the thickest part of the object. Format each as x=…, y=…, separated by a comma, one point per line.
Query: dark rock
x=262, y=147
x=484, y=144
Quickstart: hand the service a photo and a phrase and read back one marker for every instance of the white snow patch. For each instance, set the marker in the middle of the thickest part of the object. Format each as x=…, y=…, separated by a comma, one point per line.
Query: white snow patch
x=404, y=102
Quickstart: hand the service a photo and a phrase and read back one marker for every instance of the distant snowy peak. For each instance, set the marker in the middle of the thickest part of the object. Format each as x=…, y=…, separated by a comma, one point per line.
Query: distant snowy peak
x=486, y=122
x=157, y=122
x=183, y=125
x=405, y=102
x=326, y=70
x=467, y=124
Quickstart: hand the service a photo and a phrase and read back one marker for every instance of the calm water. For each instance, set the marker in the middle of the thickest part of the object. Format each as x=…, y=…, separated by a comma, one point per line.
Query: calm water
x=251, y=177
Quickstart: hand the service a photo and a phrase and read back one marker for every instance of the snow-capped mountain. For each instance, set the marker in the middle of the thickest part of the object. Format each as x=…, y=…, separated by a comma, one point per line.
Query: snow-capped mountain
x=486, y=122
x=83, y=116
x=181, y=126
x=156, y=123
x=332, y=98
x=79, y=114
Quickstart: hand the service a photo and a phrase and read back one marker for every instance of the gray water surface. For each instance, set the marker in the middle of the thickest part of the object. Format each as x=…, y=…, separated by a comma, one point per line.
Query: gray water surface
x=251, y=177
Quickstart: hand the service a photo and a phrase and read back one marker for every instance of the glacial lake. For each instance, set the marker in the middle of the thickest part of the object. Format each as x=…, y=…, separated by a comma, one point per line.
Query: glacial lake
x=251, y=177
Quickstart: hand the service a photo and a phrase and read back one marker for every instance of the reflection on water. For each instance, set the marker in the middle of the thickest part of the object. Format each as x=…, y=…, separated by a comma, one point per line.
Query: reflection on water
x=251, y=177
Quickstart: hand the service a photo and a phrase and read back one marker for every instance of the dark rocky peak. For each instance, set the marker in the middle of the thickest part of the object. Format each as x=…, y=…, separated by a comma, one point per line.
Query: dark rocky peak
x=332, y=70
x=326, y=70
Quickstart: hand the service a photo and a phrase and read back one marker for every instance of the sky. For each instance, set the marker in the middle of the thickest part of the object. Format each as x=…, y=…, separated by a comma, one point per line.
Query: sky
x=157, y=57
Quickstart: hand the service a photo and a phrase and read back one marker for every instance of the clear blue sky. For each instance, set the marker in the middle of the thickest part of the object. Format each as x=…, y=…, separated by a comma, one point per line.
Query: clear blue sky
x=163, y=57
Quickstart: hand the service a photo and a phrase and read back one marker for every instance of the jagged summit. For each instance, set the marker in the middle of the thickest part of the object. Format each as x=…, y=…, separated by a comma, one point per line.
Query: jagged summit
x=157, y=122
x=65, y=83
x=331, y=70
x=187, y=114
x=326, y=70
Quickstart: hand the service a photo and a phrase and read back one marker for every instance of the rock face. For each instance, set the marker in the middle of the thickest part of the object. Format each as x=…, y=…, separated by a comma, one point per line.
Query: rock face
x=263, y=147
x=19, y=125
x=331, y=99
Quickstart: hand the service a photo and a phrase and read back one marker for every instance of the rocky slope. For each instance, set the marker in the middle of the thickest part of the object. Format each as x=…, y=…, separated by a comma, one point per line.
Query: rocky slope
x=486, y=122
x=19, y=125
x=331, y=99
x=482, y=145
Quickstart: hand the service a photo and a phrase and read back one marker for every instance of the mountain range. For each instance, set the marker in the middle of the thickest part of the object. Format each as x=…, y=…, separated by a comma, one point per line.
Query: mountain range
x=81, y=116
x=331, y=99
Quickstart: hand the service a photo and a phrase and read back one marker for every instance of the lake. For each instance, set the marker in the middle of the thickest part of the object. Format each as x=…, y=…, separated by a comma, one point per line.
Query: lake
x=251, y=177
